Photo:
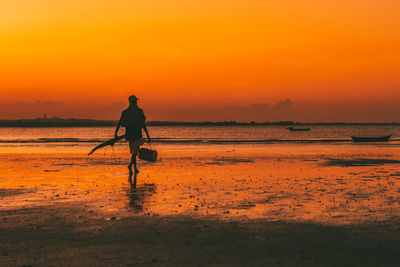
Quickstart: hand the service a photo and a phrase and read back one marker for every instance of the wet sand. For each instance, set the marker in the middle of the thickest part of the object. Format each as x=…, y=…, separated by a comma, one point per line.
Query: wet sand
x=230, y=205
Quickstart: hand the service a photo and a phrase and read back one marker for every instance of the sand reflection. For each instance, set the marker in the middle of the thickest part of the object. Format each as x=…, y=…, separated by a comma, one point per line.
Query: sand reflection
x=338, y=185
x=138, y=195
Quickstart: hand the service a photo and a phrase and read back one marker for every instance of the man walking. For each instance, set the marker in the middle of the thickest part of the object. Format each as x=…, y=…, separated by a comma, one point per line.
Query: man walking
x=134, y=121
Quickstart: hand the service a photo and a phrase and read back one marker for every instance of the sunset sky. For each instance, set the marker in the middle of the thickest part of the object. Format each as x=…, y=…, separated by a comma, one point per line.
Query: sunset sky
x=335, y=60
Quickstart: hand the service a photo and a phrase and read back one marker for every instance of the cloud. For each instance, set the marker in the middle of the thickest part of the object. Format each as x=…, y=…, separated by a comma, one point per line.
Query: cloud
x=38, y=102
x=288, y=110
x=254, y=112
x=284, y=104
x=283, y=110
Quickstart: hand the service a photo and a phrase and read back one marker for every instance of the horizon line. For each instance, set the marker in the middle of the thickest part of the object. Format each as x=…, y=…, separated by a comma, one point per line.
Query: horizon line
x=157, y=122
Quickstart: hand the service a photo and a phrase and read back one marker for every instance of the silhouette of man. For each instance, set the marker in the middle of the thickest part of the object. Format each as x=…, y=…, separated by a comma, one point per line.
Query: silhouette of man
x=134, y=121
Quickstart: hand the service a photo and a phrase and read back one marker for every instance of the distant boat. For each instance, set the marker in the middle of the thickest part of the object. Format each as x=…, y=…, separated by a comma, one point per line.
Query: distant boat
x=299, y=129
x=371, y=138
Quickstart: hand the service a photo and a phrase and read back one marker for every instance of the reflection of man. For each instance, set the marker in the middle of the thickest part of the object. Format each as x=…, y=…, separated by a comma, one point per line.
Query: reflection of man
x=133, y=120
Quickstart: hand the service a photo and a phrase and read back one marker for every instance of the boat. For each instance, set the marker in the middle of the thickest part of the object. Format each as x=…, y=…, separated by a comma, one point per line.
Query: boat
x=299, y=129
x=371, y=138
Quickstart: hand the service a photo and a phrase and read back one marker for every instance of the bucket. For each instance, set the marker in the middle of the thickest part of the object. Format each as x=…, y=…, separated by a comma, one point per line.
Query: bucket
x=147, y=154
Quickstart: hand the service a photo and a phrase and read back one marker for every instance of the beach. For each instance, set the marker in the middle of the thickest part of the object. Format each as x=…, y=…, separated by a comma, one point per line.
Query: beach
x=218, y=203
x=276, y=125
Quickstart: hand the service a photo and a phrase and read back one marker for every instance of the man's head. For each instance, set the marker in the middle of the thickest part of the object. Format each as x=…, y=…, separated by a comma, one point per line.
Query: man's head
x=133, y=100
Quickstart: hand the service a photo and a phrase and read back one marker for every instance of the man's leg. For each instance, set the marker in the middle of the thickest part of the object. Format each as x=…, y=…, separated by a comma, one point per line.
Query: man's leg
x=134, y=181
x=136, y=148
x=132, y=158
x=130, y=166
x=134, y=163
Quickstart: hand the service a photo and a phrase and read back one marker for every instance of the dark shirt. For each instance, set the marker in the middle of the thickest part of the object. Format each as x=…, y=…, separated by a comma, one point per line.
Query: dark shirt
x=133, y=120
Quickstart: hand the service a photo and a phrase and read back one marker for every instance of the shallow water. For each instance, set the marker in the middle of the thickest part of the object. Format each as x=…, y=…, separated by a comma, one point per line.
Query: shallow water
x=333, y=184
x=199, y=133
x=82, y=140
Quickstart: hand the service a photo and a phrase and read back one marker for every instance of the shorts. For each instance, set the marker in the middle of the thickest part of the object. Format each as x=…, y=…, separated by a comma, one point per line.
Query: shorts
x=134, y=145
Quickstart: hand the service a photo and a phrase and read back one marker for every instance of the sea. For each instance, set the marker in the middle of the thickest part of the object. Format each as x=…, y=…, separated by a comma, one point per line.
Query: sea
x=80, y=139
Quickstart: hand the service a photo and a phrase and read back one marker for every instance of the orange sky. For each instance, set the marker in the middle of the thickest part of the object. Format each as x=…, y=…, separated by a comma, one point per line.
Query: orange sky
x=216, y=53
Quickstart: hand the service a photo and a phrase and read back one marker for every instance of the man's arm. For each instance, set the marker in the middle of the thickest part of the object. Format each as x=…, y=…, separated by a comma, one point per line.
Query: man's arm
x=144, y=126
x=147, y=133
